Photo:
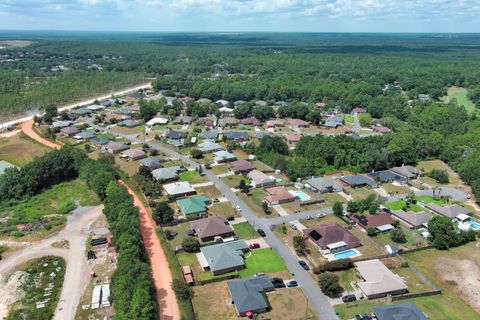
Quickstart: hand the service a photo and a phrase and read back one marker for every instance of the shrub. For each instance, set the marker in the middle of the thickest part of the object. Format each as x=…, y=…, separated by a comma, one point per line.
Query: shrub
x=196, y=154
x=162, y=213
x=397, y=235
x=181, y=289
x=335, y=265
x=372, y=232
x=329, y=284
x=300, y=245
x=190, y=244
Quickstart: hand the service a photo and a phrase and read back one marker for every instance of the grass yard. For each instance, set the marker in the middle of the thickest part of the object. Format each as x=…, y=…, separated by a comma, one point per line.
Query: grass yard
x=129, y=167
x=209, y=191
x=429, y=199
x=54, y=203
x=427, y=166
x=222, y=209
x=261, y=260
x=400, y=204
x=222, y=309
x=414, y=283
x=126, y=130
x=193, y=177
x=220, y=169
x=234, y=181
x=19, y=149
x=244, y=230
x=181, y=230
x=360, y=193
x=331, y=198
x=254, y=200
x=460, y=94
x=391, y=188
x=346, y=278
x=261, y=166
x=413, y=239
x=288, y=304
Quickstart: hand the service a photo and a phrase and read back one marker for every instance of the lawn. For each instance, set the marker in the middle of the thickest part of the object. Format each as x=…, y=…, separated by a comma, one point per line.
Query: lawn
x=55, y=203
x=400, y=204
x=346, y=278
x=413, y=238
x=193, y=177
x=181, y=230
x=429, y=199
x=234, y=181
x=126, y=130
x=19, y=149
x=360, y=193
x=244, y=230
x=427, y=166
x=222, y=209
x=220, y=169
x=254, y=200
x=391, y=188
x=129, y=167
x=460, y=94
x=261, y=260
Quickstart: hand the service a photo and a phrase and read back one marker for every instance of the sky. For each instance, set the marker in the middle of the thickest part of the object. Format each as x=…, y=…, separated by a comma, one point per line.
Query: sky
x=242, y=15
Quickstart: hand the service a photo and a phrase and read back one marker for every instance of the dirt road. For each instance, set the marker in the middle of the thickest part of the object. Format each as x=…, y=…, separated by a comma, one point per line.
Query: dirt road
x=78, y=270
x=27, y=128
x=162, y=276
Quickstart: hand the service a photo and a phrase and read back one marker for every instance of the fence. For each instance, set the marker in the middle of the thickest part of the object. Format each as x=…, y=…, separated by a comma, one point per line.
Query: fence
x=216, y=279
x=415, y=295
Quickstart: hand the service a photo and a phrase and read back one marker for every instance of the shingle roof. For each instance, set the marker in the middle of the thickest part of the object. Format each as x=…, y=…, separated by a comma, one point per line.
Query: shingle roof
x=278, y=194
x=211, y=227
x=359, y=180
x=209, y=146
x=329, y=233
x=181, y=187
x=236, y=135
x=407, y=171
x=193, y=205
x=134, y=153
x=258, y=177
x=403, y=311
x=241, y=166
x=152, y=162
x=450, y=211
x=324, y=184
x=387, y=175
x=415, y=219
x=247, y=293
x=162, y=174
x=225, y=255
x=223, y=155
x=115, y=146
x=210, y=134
x=378, y=278
x=372, y=220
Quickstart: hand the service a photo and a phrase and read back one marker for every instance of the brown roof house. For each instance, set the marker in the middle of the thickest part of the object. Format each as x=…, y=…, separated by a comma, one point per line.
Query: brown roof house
x=69, y=131
x=209, y=228
x=260, y=179
x=331, y=236
x=241, y=166
x=297, y=123
x=293, y=137
x=278, y=195
x=133, y=154
x=382, y=221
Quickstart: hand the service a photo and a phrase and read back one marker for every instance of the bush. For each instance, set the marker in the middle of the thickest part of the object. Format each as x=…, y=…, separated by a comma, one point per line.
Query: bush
x=190, y=244
x=300, y=245
x=372, y=232
x=440, y=175
x=397, y=235
x=335, y=265
x=329, y=284
x=181, y=289
x=196, y=154
x=162, y=213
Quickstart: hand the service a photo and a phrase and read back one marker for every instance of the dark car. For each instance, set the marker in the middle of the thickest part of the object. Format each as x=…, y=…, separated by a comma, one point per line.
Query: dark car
x=303, y=264
x=363, y=316
x=190, y=232
x=279, y=285
x=230, y=218
x=387, y=210
x=254, y=245
x=349, y=298
x=261, y=232
x=292, y=283
x=277, y=280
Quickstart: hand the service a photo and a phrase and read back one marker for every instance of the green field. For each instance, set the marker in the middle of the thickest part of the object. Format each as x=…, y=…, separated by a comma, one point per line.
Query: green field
x=261, y=260
x=400, y=204
x=192, y=176
x=244, y=230
x=460, y=94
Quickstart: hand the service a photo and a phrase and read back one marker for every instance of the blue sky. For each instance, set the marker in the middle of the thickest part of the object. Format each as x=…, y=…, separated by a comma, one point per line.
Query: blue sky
x=243, y=15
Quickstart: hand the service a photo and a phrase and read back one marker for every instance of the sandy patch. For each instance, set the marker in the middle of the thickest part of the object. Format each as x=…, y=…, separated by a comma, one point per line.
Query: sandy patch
x=10, y=292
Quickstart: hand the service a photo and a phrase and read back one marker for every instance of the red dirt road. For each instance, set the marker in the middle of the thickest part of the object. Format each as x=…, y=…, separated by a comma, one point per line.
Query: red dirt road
x=27, y=128
x=162, y=277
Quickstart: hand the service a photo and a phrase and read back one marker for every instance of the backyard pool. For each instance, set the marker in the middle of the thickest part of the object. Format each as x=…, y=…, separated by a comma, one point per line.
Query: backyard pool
x=300, y=194
x=345, y=254
x=474, y=225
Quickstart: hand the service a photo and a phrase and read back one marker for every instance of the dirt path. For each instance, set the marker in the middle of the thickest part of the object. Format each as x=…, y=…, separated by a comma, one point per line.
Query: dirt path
x=162, y=276
x=27, y=128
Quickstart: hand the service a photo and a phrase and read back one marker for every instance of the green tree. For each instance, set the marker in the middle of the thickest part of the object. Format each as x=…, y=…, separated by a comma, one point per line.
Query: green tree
x=51, y=111
x=397, y=235
x=190, y=244
x=337, y=208
x=265, y=208
x=196, y=154
x=163, y=213
x=372, y=232
x=182, y=290
x=329, y=284
x=300, y=245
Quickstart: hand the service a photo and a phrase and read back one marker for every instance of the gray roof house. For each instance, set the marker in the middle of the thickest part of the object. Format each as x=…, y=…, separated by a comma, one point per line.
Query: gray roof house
x=114, y=147
x=223, y=156
x=175, y=135
x=81, y=111
x=62, y=124
x=408, y=172
x=179, y=189
x=165, y=174
x=183, y=120
x=85, y=135
x=359, y=181
x=379, y=281
x=324, y=184
x=70, y=131
x=224, y=122
x=402, y=311
x=451, y=211
x=133, y=154
x=413, y=219
x=247, y=294
x=208, y=146
x=223, y=257
x=387, y=176
x=129, y=123
x=152, y=162
x=236, y=135
x=260, y=179
x=210, y=134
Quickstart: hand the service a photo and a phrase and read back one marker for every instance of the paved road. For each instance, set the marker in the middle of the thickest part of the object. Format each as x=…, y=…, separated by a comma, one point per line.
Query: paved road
x=311, y=290
x=5, y=125
x=77, y=272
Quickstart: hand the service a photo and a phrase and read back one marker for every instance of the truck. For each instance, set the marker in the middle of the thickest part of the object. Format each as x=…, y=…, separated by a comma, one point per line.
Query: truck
x=187, y=275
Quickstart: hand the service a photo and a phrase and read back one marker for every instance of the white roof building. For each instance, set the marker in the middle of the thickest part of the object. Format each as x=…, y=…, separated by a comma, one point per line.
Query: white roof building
x=158, y=120
x=179, y=188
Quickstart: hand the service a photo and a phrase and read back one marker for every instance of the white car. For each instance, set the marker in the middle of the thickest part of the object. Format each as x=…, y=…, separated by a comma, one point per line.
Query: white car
x=320, y=215
x=238, y=208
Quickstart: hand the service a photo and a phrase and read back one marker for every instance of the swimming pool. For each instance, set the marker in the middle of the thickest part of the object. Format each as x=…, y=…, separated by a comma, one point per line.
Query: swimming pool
x=302, y=195
x=474, y=225
x=345, y=254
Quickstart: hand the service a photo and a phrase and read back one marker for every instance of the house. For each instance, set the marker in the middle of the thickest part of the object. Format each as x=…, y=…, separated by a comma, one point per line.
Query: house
x=251, y=121
x=179, y=189
x=402, y=311
x=278, y=195
x=379, y=281
x=62, y=124
x=331, y=236
x=85, y=135
x=223, y=257
x=124, y=111
x=333, y=121
x=165, y=174
x=293, y=138
x=114, y=147
x=183, y=120
x=261, y=103
x=239, y=102
x=175, y=135
x=129, y=123
x=260, y=179
x=261, y=134
x=226, y=122
x=95, y=107
x=208, y=228
x=194, y=207
x=208, y=146
x=413, y=219
x=113, y=117
x=81, y=112
x=358, y=180
x=209, y=134
x=241, y=166
x=157, y=120
x=133, y=154
x=69, y=131
x=248, y=294
x=424, y=97
x=207, y=122
x=382, y=221
x=408, y=172
x=359, y=110
x=297, y=123
x=223, y=156
x=101, y=140
x=324, y=185
x=222, y=102
x=226, y=111
x=152, y=163
x=450, y=211
x=281, y=103
x=381, y=129
x=236, y=135
x=387, y=176
x=204, y=100
x=275, y=123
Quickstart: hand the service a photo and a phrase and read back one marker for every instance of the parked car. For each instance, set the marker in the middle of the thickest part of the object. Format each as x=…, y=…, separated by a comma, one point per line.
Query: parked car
x=363, y=316
x=230, y=218
x=276, y=280
x=303, y=264
x=293, y=226
x=279, y=285
x=309, y=217
x=254, y=245
x=292, y=283
x=238, y=208
x=190, y=232
x=321, y=215
x=387, y=210
x=261, y=232
x=349, y=298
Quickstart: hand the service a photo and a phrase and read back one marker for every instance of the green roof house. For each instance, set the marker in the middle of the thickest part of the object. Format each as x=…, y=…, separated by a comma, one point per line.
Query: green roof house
x=194, y=207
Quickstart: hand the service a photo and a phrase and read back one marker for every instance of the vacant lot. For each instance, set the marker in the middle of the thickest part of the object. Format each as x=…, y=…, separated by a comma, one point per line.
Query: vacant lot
x=234, y=181
x=460, y=94
x=261, y=260
x=19, y=149
x=244, y=230
x=126, y=130
x=360, y=193
x=391, y=188
x=223, y=209
x=456, y=271
x=193, y=177
x=427, y=166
